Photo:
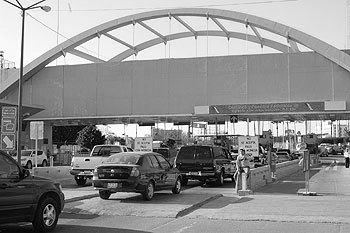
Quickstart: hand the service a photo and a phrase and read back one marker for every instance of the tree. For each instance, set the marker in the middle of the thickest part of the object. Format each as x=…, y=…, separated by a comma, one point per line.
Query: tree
x=90, y=136
x=65, y=135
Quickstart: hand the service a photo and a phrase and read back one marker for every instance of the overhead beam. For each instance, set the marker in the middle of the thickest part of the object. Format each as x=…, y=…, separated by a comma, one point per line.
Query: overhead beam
x=221, y=27
x=85, y=56
x=186, y=25
x=152, y=30
x=121, y=42
x=293, y=45
x=257, y=35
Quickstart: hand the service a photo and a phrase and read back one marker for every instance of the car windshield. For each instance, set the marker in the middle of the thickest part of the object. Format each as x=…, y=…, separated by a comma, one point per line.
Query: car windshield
x=122, y=158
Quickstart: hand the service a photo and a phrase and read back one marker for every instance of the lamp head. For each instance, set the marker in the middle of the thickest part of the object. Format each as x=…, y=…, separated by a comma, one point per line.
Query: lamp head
x=46, y=8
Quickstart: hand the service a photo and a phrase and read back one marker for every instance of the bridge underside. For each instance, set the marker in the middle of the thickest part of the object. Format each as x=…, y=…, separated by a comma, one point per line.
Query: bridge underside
x=137, y=92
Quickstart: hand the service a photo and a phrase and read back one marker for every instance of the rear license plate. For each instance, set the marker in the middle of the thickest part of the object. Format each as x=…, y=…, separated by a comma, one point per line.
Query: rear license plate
x=113, y=185
x=194, y=173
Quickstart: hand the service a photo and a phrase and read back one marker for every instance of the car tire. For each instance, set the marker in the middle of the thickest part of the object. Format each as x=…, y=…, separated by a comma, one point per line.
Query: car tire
x=29, y=165
x=46, y=216
x=220, y=180
x=104, y=194
x=184, y=181
x=44, y=163
x=81, y=181
x=148, y=193
x=177, y=187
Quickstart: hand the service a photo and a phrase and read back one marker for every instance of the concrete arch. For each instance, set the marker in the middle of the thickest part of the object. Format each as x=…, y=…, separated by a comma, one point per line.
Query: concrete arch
x=269, y=43
x=292, y=35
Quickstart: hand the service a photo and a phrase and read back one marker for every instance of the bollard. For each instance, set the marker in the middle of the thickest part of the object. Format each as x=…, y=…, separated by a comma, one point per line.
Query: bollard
x=244, y=181
x=245, y=191
x=51, y=161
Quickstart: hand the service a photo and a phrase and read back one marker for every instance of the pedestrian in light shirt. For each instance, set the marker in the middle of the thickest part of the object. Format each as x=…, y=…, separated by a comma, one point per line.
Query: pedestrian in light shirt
x=242, y=165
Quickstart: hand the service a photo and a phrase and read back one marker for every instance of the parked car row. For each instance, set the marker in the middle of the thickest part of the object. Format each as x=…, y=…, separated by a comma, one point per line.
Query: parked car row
x=331, y=149
x=147, y=172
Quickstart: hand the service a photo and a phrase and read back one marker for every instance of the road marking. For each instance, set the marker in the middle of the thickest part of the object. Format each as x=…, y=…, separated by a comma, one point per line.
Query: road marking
x=335, y=168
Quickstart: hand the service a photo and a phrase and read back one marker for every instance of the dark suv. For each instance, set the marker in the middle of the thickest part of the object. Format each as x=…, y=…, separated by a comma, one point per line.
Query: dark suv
x=205, y=163
x=25, y=198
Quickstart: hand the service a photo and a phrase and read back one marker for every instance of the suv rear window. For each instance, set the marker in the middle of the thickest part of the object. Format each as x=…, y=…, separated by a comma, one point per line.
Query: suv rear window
x=203, y=152
x=186, y=152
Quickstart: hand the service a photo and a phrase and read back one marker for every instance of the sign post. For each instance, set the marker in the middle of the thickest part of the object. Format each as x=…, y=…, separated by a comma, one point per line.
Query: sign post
x=36, y=132
x=305, y=162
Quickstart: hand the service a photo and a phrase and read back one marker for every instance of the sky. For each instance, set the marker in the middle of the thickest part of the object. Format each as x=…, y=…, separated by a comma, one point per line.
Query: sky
x=324, y=19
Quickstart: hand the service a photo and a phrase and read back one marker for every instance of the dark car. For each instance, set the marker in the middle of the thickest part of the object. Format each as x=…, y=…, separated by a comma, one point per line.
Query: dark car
x=205, y=163
x=292, y=155
x=283, y=156
x=25, y=198
x=168, y=153
x=140, y=172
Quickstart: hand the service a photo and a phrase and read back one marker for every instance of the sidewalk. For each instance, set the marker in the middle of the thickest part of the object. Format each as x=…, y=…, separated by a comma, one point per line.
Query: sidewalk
x=279, y=201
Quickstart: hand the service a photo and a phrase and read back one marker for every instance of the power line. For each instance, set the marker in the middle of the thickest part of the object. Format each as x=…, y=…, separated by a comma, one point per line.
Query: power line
x=194, y=6
x=53, y=30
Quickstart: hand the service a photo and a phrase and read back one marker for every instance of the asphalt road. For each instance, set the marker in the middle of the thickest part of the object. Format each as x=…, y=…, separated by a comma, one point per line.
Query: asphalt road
x=273, y=208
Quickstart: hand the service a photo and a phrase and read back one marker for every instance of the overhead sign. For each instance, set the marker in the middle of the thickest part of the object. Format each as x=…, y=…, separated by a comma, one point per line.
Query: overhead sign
x=144, y=144
x=267, y=108
x=8, y=141
x=36, y=130
x=250, y=144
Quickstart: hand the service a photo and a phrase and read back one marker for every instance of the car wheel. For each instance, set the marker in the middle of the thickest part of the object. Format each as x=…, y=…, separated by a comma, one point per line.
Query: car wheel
x=148, y=193
x=44, y=163
x=177, y=187
x=104, y=194
x=220, y=180
x=46, y=216
x=81, y=181
x=184, y=181
x=29, y=165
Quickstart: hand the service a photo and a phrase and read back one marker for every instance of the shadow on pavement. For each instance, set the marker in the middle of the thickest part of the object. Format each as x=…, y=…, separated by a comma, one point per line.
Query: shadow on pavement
x=288, y=185
x=27, y=228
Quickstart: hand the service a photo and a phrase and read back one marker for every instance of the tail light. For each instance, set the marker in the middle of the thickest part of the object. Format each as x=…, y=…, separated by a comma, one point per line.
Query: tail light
x=135, y=172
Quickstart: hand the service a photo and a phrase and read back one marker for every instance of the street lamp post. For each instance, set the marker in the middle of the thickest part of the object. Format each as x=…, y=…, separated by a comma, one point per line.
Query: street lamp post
x=20, y=80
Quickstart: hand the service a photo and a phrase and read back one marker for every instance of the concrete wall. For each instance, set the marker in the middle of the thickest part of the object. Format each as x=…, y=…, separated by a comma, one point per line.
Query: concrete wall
x=261, y=176
x=175, y=86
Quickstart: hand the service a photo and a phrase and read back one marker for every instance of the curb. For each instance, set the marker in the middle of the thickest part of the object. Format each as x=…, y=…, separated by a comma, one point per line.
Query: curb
x=196, y=206
x=89, y=196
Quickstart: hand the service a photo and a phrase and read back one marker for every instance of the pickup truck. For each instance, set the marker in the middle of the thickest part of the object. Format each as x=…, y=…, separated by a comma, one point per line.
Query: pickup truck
x=82, y=167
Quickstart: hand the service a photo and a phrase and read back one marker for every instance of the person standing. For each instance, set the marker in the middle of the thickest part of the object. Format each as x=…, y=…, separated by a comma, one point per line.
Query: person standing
x=346, y=155
x=242, y=165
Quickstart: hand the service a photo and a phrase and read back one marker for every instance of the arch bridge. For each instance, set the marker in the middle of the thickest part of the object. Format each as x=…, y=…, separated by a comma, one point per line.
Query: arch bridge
x=114, y=90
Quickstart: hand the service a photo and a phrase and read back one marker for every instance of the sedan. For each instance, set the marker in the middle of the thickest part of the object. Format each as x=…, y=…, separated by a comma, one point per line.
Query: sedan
x=283, y=157
x=140, y=172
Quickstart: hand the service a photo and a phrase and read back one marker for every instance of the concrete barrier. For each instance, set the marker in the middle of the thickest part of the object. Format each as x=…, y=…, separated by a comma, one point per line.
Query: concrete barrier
x=261, y=176
x=55, y=173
